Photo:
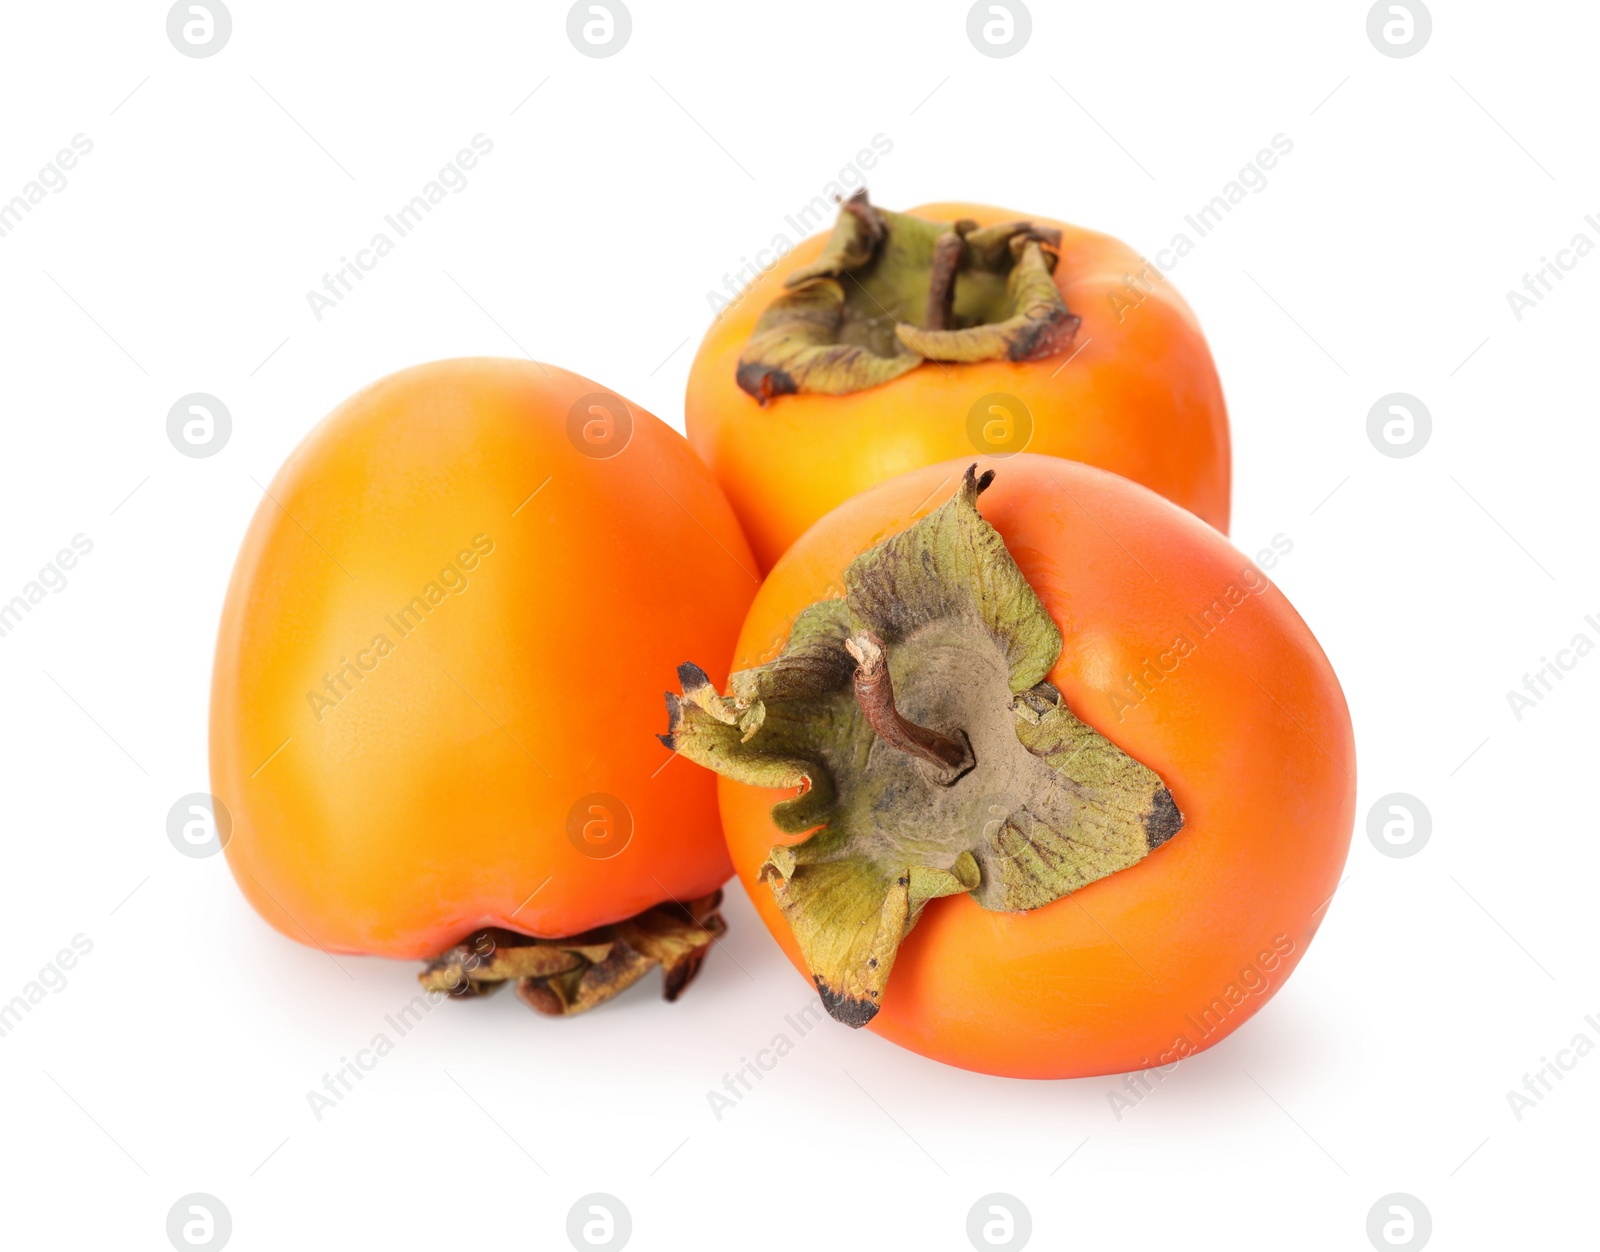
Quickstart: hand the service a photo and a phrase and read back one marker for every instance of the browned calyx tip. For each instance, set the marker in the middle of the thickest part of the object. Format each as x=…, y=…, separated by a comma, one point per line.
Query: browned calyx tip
x=562, y=977
x=692, y=678
x=974, y=483
x=1162, y=820
x=1049, y=333
x=764, y=381
x=694, y=683
x=950, y=756
x=852, y=1012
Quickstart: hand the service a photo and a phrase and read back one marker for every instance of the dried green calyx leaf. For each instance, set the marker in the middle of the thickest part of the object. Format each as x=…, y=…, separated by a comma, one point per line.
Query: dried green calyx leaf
x=561, y=977
x=930, y=755
x=890, y=291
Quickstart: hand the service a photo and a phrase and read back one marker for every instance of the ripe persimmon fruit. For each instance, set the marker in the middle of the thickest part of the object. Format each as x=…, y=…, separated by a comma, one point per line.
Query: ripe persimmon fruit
x=904, y=339
x=1054, y=787
x=432, y=709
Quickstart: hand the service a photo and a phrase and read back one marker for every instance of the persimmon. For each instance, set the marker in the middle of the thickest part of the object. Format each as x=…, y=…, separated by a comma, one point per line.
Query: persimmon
x=903, y=339
x=430, y=713
x=1056, y=787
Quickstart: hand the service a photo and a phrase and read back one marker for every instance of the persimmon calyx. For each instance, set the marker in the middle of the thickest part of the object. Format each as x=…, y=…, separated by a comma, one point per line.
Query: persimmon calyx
x=932, y=757
x=891, y=291
x=562, y=977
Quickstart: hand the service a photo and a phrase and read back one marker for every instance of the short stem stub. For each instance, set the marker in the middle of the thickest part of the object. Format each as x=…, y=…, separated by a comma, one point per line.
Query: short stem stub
x=950, y=757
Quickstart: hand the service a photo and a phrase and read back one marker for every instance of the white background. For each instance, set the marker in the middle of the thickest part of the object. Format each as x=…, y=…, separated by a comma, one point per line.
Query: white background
x=177, y=259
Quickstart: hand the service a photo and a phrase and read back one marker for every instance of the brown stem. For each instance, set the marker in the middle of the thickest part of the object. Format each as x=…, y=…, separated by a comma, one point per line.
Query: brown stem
x=858, y=207
x=942, y=280
x=875, y=695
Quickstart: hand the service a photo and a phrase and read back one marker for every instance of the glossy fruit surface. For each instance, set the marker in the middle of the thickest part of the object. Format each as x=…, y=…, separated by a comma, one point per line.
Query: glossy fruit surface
x=1176, y=648
x=1135, y=391
x=437, y=674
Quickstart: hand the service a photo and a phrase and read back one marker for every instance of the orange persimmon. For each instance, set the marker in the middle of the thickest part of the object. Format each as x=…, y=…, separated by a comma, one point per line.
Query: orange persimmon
x=431, y=710
x=1056, y=787
x=903, y=339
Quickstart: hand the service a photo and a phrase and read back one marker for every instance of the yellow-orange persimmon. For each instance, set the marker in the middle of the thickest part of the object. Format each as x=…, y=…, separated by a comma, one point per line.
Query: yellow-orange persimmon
x=432, y=708
x=1159, y=873
x=863, y=354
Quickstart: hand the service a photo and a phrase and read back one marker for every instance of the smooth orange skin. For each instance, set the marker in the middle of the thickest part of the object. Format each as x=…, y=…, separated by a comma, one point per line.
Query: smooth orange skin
x=1140, y=397
x=1250, y=731
x=433, y=798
